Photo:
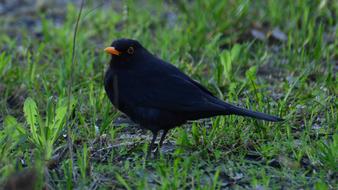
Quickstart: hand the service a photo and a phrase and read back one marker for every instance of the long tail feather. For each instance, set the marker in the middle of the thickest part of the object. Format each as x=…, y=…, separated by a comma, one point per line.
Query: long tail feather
x=258, y=115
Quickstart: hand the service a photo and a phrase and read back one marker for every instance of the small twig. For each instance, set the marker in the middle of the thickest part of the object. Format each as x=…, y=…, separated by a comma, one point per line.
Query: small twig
x=115, y=146
x=92, y=10
x=132, y=144
x=69, y=129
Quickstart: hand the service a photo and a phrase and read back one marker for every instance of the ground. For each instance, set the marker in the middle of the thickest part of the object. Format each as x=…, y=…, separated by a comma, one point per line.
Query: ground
x=58, y=129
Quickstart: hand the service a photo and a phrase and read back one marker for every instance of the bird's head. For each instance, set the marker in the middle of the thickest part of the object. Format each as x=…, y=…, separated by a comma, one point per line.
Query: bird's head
x=124, y=50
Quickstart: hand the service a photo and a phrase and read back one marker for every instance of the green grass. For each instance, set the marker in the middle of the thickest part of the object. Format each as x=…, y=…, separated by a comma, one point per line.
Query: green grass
x=212, y=42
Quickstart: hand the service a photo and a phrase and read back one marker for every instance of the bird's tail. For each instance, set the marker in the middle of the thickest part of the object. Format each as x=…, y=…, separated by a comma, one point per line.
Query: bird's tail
x=245, y=112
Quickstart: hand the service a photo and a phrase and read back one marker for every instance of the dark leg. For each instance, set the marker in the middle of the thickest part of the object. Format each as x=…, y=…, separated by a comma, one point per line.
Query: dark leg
x=161, y=141
x=152, y=144
x=163, y=137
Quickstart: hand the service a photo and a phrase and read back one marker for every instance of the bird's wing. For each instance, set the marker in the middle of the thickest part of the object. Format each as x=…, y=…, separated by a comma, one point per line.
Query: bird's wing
x=170, y=91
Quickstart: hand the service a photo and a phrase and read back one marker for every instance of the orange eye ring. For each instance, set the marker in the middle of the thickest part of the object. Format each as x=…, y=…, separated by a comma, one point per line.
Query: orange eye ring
x=130, y=50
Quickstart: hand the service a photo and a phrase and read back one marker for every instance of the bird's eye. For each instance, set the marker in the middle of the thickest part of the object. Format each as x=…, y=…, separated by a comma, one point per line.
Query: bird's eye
x=130, y=50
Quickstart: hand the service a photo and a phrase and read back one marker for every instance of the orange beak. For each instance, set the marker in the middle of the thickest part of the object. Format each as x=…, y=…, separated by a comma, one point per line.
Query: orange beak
x=112, y=50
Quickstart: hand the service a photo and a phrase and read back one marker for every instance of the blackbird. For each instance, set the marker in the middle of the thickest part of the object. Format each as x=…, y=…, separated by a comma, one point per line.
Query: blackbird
x=157, y=95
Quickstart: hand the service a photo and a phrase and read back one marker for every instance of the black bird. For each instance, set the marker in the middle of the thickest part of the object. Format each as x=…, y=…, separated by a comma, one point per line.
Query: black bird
x=157, y=95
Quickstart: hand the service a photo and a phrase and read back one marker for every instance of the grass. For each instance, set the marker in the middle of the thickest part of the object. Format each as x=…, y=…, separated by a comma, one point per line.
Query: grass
x=291, y=73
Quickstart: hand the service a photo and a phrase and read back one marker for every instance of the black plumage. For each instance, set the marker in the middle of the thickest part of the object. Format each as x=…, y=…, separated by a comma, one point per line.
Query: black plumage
x=157, y=95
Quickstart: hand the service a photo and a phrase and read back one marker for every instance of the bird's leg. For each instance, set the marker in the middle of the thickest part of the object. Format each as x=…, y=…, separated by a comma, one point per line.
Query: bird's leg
x=165, y=131
x=152, y=144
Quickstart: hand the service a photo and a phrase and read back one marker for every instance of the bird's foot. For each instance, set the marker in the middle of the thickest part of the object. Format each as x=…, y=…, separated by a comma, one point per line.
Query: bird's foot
x=157, y=152
x=153, y=153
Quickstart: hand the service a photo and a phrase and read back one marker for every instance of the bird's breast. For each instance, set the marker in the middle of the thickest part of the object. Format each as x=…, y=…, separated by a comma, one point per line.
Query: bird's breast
x=115, y=85
x=112, y=87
